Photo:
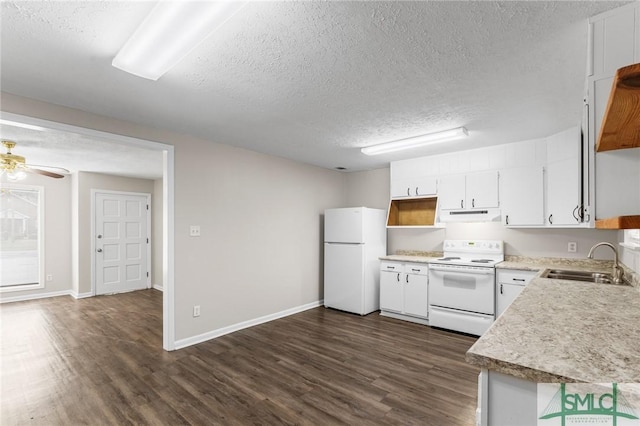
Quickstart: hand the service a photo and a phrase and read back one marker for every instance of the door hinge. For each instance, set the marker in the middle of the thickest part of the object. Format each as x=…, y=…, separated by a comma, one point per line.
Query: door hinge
x=147, y=206
x=147, y=275
x=147, y=241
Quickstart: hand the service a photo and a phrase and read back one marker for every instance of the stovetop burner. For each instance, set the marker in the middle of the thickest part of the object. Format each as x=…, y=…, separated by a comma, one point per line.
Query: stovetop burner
x=472, y=253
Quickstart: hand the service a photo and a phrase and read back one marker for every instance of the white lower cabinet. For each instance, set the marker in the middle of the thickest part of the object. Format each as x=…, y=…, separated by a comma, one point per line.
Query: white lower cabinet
x=403, y=291
x=509, y=284
x=505, y=400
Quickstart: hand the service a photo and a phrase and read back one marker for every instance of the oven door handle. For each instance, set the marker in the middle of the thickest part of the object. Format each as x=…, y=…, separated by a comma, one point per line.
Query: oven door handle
x=479, y=271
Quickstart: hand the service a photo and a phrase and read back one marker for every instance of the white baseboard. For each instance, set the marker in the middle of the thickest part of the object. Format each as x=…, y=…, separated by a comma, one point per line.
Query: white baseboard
x=189, y=341
x=158, y=287
x=24, y=297
x=81, y=295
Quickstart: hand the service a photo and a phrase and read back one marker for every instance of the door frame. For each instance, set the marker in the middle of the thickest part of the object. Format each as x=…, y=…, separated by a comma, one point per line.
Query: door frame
x=94, y=195
x=168, y=208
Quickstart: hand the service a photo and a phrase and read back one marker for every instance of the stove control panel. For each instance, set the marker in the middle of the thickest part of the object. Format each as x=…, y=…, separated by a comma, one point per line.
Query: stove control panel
x=474, y=246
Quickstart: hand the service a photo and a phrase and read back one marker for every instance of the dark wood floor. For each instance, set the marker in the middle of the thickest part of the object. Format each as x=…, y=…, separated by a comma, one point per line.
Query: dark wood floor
x=99, y=361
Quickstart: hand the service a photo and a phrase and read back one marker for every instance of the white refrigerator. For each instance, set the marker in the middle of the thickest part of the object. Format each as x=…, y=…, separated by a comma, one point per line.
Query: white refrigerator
x=354, y=240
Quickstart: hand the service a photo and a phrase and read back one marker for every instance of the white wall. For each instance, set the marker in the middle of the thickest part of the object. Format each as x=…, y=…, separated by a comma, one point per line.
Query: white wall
x=373, y=187
x=261, y=219
x=57, y=235
x=261, y=246
x=368, y=189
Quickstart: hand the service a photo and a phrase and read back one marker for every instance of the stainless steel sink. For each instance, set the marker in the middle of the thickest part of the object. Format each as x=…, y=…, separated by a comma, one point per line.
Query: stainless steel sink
x=592, y=277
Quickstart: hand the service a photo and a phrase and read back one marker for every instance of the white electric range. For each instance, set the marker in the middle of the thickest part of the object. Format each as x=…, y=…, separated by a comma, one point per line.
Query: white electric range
x=462, y=285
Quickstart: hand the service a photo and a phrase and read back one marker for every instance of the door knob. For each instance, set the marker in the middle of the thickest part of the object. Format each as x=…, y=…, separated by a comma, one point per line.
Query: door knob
x=99, y=235
x=99, y=250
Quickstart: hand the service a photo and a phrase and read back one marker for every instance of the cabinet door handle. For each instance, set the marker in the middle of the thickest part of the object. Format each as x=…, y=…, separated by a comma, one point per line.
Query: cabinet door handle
x=398, y=277
x=574, y=214
x=462, y=204
x=415, y=270
x=391, y=267
x=407, y=279
x=473, y=202
x=501, y=292
x=408, y=192
x=416, y=190
x=507, y=219
x=551, y=219
x=518, y=279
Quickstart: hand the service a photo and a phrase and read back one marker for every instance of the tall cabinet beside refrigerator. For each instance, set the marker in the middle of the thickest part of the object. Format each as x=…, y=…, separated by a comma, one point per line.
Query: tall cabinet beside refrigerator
x=354, y=240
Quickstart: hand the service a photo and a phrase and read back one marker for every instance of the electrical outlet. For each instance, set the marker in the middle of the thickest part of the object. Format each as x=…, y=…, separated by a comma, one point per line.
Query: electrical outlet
x=49, y=277
x=196, y=311
x=194, y=231
x=572, y=247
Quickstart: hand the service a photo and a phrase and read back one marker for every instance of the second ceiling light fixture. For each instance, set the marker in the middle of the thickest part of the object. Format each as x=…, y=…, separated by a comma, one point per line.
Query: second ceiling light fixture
x=416, y=142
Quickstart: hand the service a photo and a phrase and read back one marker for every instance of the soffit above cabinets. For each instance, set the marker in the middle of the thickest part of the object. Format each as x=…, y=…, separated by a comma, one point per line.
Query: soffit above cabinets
x=621, y=124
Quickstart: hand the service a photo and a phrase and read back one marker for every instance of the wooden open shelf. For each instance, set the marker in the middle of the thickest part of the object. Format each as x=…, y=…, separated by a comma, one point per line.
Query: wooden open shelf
x=412, y=212
x=619, y=222
x=621, y=123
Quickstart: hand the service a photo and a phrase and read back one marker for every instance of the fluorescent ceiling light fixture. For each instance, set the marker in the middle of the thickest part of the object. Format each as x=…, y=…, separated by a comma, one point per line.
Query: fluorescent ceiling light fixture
x=22, y=125
x=416, y=141
x=170, y=31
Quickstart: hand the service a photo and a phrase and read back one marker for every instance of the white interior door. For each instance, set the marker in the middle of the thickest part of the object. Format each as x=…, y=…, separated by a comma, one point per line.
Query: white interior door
x=121, y=242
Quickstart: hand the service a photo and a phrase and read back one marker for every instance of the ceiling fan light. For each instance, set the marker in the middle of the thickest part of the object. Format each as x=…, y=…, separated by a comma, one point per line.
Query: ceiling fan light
x=15, y=175
x=170, y=31
x=416, y=142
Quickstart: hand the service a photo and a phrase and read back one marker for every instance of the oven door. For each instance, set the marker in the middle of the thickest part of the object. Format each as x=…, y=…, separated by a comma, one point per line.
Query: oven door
x=468, y=289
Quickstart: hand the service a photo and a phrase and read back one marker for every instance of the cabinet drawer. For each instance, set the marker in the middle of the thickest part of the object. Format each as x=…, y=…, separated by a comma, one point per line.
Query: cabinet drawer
x=416, y=269
x=391, y=266
x=512, y=276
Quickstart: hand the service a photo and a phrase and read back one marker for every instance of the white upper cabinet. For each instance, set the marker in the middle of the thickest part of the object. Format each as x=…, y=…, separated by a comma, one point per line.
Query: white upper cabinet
x=614, y=43
x=522, y=196
x=564, y=178
x=414, y=187
x=413, y=178
x=470, y=191
x=482, y=190
x=451, y=192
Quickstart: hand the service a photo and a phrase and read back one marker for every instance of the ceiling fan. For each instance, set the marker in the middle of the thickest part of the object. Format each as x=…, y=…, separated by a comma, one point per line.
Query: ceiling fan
x=16, y=168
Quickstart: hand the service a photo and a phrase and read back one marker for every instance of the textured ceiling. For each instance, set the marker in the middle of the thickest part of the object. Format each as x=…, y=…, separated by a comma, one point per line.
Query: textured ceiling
x=316, y=81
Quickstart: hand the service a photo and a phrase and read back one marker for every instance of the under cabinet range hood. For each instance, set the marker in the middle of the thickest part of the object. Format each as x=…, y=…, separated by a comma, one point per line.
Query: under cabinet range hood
x=476, y=215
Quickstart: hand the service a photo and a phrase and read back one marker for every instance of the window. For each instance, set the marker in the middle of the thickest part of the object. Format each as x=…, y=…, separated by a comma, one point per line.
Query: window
x=21, y=242
x=632, y=238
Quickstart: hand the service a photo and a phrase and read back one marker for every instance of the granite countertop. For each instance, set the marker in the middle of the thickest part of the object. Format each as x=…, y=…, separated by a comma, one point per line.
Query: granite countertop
x=565, y=331
x=413, y=256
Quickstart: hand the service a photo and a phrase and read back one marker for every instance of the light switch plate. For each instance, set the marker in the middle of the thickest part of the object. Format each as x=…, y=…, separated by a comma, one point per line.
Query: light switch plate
x=194, y=231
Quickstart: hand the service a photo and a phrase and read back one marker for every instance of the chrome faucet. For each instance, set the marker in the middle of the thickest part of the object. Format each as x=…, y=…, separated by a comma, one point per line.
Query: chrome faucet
x=617, y=269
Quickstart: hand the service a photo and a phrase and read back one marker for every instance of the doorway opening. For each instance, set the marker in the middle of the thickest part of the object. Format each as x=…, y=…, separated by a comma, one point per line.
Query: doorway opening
x=168, y=327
